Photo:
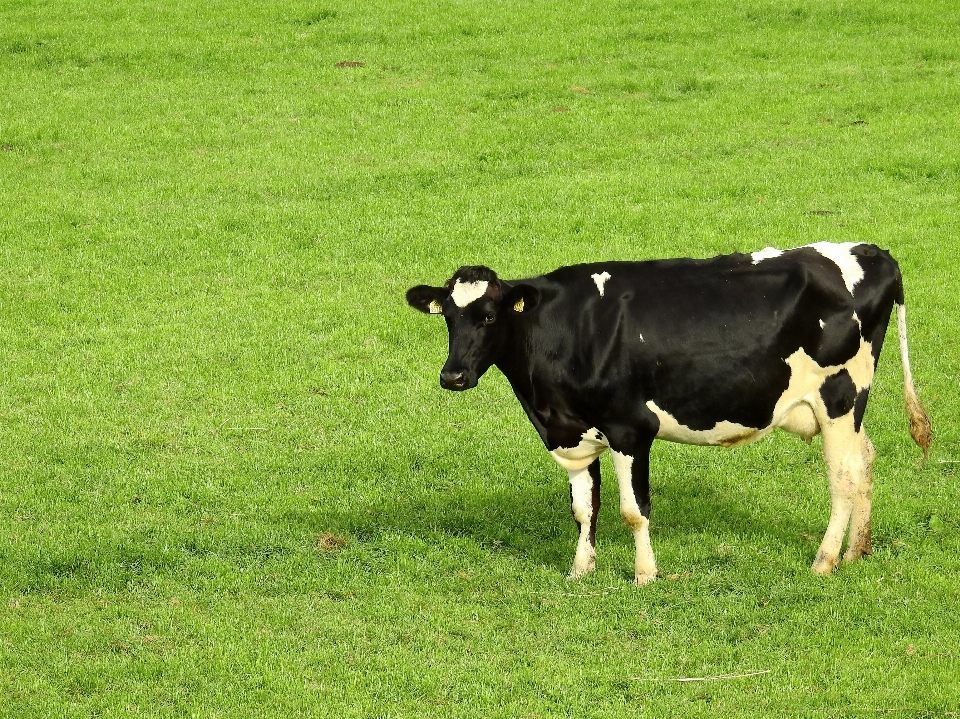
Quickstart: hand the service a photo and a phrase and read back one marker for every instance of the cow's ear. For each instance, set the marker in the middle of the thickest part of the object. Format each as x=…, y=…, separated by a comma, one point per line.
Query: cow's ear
x=427, y=299
x=522, y=298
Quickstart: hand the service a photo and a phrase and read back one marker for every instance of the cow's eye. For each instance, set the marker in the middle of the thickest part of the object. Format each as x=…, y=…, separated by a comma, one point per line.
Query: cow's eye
x=488, y=320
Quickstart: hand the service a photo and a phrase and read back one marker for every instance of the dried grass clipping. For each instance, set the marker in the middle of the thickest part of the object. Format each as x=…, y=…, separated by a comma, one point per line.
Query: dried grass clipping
x=330, y=542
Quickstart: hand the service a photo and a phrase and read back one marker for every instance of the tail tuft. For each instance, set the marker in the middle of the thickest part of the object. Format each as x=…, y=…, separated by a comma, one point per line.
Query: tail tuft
x=920, y=428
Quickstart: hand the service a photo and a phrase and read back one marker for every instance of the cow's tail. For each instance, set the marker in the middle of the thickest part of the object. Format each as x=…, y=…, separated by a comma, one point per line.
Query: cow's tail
x=920, y=428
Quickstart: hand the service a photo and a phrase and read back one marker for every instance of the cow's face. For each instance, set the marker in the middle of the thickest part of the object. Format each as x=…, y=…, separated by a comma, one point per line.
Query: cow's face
x=479, y=310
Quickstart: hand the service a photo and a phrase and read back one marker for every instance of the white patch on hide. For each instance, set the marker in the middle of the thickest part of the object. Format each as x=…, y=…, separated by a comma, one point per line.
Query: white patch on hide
x=591, y=446
x=860, y=366
x=601, y=279
x=840, y=253
x=822, y=325
x=466, y=292
x=799, y=410
x=765, y=254
x=803, y=391
x=725, y=434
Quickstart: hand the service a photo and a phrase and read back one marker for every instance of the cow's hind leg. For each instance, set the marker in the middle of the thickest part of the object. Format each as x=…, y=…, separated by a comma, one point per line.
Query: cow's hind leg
x=844, y=450
x=585, y=503
x=633, y=475
x=858, y=543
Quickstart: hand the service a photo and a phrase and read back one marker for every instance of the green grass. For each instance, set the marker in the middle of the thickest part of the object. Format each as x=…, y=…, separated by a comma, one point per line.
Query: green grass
x=208, y=368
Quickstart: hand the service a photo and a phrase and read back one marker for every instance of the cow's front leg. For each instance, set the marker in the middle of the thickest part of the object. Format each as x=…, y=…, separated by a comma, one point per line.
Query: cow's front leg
x=633, y=475
x=585, y=503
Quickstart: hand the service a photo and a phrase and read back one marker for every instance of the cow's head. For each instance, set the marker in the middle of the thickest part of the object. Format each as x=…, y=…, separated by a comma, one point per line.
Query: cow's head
x=480, y=311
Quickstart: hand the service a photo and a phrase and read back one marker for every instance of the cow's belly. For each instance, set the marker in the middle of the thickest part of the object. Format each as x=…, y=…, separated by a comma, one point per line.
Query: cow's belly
x=799, y=420
x=723, y=434
x=794, y=410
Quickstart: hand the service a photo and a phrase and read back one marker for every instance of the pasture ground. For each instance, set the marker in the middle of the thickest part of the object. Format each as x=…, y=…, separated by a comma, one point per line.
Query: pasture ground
x=229, y=482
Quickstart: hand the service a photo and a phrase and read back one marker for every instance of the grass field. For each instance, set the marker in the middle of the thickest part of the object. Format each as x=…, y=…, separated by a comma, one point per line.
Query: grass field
x=230, y=484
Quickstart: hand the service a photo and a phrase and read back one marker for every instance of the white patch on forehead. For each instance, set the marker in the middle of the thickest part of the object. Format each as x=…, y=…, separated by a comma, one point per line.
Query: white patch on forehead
x=466, y=292
x=822, y=325
x=765, y=254
x=840, y=253
x=601, y=279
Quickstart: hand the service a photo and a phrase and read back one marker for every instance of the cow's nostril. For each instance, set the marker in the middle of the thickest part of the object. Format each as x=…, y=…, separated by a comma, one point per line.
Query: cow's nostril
x=453, y=380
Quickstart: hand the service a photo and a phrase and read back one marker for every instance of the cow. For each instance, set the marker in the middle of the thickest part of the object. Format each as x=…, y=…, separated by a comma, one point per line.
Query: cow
x=720, y=351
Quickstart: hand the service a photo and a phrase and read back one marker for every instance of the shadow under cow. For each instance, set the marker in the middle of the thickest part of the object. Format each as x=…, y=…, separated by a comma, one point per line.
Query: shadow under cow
x=533, y=520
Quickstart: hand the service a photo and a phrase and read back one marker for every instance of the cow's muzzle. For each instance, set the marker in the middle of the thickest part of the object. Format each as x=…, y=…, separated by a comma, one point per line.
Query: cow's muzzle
x=455, y=380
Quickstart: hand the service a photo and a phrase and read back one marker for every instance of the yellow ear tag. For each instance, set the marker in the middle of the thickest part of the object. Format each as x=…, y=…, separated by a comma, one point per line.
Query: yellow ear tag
x=519, y=306
x=434, y=307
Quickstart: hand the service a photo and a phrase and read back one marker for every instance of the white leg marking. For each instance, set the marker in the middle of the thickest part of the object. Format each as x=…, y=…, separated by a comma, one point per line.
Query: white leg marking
x=801, y=410
x=858, y=543
x=645, y=565
x=581, y=492
x=601, y=279
x=843, y=451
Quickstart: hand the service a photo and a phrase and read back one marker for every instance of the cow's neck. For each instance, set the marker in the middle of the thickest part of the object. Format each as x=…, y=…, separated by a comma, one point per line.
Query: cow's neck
x=520, y=370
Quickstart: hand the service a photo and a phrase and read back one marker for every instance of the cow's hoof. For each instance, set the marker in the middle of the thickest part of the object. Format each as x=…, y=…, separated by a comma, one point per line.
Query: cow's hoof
x=642, y=579
x=859, y=550
x=578, y=572
x=823, y=565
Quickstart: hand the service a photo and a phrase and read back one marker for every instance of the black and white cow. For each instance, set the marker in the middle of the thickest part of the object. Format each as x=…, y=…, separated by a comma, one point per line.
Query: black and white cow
x=713, y=352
